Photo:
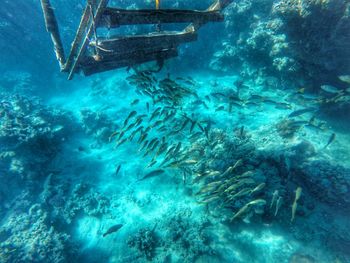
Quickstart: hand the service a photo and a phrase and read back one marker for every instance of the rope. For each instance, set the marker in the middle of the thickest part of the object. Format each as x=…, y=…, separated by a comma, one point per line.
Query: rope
x=95, y=44
x=158, y=26
x=103, y=49
x=94, y=30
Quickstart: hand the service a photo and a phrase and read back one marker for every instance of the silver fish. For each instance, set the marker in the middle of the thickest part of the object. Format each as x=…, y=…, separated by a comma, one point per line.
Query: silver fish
x=345, y=78
x=330, y=140
x=257, y=188
x=300, y=112
x=274, y=198
x=329, y=89
x=278, y=205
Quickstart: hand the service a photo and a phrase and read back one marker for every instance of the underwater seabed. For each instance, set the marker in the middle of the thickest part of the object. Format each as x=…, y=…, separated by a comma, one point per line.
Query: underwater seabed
x=90, y=183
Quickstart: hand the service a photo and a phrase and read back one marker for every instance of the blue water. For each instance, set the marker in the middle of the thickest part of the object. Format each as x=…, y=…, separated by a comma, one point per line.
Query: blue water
x=236, y=151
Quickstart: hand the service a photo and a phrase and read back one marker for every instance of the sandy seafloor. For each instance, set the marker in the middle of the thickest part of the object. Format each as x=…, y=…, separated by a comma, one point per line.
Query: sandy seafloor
x=156, y=203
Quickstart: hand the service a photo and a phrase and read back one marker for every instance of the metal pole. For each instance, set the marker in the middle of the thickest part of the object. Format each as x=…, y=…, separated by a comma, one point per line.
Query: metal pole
x=98, y=13
x=52, y=28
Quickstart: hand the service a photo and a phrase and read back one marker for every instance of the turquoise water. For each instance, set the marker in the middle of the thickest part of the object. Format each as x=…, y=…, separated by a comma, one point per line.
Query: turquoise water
x=236, y=151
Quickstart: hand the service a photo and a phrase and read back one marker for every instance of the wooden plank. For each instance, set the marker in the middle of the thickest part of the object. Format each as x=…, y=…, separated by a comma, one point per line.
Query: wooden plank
x=78, y=38
x=114, y=17
x=99, y=11
x=127, y=44
x=90, y=66
x=124, y=55
x=52, y=28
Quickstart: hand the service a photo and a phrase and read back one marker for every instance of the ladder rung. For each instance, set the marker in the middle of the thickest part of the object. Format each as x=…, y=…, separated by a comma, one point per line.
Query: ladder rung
x=136, y=42
x=90, y=66
x=113, y=17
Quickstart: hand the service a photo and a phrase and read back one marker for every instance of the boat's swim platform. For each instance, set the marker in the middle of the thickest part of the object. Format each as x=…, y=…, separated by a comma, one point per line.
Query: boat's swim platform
x=92, y=54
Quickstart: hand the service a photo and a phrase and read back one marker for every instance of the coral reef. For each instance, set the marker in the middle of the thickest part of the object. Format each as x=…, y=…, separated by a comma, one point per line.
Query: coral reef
x=36, y=198
x=304, y=40
x=327, y=182
x=67, y=202
x=97, y=124
x=16, y=82
x=30, y=129
x=318, y=33
x=25, y=120
x=145, y=241
x=255, y=42
x=230, y=180
x=286, y=129
x=83, y=199
x=187, y=237
x=221, y=150
x=175, y=238
x=28, y=237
